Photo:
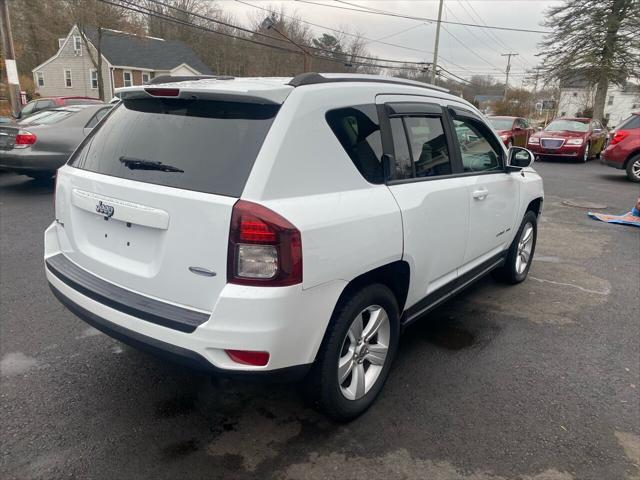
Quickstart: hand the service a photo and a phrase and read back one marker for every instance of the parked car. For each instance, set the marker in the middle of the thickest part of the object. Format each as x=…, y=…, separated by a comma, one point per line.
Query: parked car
x=576, y=138
x=514, y=131
x=38, y=145
x=46, y=103
x=623, y=149
x=286, y=228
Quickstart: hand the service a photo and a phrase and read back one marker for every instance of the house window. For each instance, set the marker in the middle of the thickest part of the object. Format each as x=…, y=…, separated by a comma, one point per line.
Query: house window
x=126, y=79
x=40, y=79
x=67, y=78
x=610, y=100
x=145, y=78
x=562, y=114
x=607, y=116
x=575, y=94
x=94, y=78
x=77, y=44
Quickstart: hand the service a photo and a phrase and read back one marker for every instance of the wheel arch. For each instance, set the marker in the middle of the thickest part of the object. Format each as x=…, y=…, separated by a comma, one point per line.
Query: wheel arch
x=394, y=275
x=535, y=206
x=633, y=154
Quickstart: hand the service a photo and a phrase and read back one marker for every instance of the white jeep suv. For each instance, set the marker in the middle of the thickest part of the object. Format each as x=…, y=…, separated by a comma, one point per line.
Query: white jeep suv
x=286, y=227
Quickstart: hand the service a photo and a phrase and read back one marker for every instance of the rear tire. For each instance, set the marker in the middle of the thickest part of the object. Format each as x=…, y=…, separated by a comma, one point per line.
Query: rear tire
x=520, y=253
x=633, y=169
x=352, y=364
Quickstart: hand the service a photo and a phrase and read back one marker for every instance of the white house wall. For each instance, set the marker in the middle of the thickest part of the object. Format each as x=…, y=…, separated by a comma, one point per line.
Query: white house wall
x=575, y=100
x=80, y=66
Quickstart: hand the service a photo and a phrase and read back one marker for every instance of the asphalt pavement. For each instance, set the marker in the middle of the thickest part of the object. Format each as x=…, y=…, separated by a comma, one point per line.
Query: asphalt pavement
x=535, y=382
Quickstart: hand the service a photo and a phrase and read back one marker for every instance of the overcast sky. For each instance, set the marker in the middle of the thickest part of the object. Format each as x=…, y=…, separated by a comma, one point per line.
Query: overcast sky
x=464, y=50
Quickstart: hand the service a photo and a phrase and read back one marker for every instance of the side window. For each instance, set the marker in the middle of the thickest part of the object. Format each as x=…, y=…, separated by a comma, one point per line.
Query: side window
x=97, y=117
x=357, y=130
x=28, y=108
x=476, y=146
x=43, y=104
x=427, y=146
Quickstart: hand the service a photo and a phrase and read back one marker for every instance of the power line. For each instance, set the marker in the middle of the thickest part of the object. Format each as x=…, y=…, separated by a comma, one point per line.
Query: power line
x=342, y=32
x=423, y=19
x=136, y=8
x=332, y=52
x=468, y=48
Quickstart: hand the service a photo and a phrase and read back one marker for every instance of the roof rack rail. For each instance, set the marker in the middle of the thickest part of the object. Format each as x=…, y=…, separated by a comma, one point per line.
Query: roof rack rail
x=312, y=78
x=186, y=78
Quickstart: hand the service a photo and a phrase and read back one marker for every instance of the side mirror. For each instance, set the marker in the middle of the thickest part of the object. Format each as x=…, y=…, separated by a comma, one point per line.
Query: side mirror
x=597, y=130
x=519, y=158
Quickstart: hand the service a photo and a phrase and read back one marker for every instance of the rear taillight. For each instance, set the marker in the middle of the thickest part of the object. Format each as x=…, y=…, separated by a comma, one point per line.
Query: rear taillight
x=25, y=139
x=264, y=248
x=619, y=136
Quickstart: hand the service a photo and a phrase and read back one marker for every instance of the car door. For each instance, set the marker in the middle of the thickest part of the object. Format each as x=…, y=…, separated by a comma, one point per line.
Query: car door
x=417, y=138
x=492, y=193
x=598, y=134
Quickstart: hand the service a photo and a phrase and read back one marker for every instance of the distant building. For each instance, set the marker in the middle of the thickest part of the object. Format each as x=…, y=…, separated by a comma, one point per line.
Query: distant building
x=127, y=59
x=578, y=95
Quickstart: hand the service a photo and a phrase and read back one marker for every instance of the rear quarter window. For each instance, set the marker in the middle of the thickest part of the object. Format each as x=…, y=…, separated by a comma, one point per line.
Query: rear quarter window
x=632, y=122
x=200, y=145
x=357, y=130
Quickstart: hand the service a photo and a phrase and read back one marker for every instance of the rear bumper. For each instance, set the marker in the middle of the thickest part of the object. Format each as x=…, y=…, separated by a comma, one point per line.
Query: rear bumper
x=287, y=322
x=173, y=353
x=613, y=157
x=27, y=160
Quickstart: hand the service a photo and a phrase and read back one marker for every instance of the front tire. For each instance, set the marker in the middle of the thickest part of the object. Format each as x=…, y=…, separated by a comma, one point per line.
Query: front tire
x=354, y=359
x=633, y=169
x=520, y=253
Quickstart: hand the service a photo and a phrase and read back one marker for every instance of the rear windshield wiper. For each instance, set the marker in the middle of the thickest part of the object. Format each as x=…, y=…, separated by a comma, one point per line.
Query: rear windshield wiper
x=140, y=164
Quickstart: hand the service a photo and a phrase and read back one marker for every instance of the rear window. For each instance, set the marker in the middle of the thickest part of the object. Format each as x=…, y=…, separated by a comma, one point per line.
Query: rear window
x=81, y=101
x=47, y=117
x=200, y=145
x=632, y=122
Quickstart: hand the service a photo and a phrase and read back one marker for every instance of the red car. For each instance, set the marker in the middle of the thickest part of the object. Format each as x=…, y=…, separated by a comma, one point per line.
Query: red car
x=45, y=103
x=514, y=131
x=577, y=138
x=623, y=151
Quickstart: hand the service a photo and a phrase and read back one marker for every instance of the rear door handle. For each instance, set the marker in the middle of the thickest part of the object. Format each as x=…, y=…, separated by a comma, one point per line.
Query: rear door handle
x=480, y=194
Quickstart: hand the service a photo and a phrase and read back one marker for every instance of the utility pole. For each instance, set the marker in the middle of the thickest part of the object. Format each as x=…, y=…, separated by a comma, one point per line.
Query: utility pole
x=506, y=82
x=435, y=48
x=13, y=82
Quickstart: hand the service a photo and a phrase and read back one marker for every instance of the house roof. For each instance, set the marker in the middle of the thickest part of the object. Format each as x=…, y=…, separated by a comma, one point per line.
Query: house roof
x=126, y=49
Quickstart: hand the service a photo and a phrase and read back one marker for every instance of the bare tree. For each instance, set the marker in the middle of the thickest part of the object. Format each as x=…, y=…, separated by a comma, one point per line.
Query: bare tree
x=595, y=39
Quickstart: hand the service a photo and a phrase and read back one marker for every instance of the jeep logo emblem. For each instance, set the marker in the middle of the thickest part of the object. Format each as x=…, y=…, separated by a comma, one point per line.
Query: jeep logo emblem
x=104, y=209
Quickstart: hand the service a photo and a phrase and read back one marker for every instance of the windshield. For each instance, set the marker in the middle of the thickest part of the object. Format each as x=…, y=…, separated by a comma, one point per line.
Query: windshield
x=501, y=123
x=200, y=145
x=567, y=125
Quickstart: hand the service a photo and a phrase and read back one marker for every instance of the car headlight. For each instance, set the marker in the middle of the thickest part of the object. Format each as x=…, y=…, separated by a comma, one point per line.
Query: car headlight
x=534, y=141
x=575, y=141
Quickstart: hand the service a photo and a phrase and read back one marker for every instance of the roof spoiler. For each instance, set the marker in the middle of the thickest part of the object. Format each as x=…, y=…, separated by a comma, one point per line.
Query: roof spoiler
x=186, y=78
x=313, y=78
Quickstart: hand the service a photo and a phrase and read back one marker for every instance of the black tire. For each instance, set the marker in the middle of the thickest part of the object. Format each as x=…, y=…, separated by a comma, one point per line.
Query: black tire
x=321, y=387
x=509, y=271
x=635, y=160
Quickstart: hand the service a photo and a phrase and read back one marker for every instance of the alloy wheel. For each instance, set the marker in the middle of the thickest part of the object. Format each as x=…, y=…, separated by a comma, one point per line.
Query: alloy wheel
x=635, y=169
x=525, y=245
x=364, y=352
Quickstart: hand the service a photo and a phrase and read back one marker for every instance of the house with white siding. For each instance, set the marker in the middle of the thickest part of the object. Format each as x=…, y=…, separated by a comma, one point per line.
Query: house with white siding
x=578, y=95
x=127, y=59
